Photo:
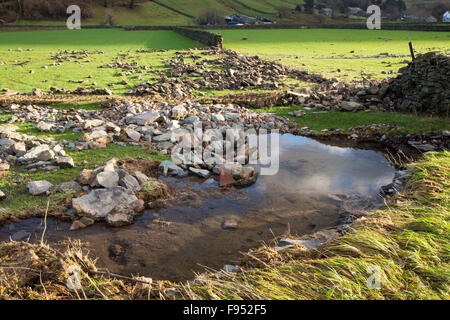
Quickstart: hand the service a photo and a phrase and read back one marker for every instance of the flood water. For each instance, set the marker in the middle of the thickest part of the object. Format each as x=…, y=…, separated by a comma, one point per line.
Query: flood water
x=174, y=242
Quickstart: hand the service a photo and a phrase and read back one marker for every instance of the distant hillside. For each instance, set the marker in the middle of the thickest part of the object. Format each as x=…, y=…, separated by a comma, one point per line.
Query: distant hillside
x=140, y=12
x=169, y=12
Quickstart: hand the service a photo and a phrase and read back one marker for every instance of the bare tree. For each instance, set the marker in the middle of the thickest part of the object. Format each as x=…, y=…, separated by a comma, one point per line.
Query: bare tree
x=210, y=15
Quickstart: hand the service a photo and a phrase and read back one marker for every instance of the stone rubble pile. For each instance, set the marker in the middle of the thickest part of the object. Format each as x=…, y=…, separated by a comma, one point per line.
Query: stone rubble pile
x=233, y=72
x=155, y=126
x=32, y=152
x=110, y=195
x=86, y=91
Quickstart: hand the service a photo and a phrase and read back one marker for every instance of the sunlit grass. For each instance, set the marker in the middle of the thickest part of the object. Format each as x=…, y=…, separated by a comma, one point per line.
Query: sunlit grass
x=325, y=51
x=401, y=123
x=113, y=42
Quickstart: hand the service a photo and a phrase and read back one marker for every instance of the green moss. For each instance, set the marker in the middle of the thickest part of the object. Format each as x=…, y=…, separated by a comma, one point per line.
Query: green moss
x=154, y=189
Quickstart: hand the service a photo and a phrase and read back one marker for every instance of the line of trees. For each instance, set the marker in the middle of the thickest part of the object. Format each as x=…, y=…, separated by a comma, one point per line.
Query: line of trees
x=46, y=9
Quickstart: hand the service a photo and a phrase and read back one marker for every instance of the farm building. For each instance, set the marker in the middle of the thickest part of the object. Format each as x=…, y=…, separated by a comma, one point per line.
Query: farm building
x=446, y=17
x=355, y=11
x=326, y=11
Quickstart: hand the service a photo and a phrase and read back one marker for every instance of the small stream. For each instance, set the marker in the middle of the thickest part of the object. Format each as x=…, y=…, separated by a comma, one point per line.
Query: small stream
x=174, y=242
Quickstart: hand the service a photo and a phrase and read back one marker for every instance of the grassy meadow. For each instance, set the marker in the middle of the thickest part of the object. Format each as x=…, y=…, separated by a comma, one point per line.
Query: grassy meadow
x=344, y=54
x=400, y=123
x=318, y=50
x=22, y=52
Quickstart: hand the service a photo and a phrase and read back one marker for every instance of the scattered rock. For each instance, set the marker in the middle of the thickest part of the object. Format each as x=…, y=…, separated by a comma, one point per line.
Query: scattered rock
x=142, y=178
x=98, y=203
x=120, y=216
x=351, y=106
x=200, y=172
x=20, y=235
x=86, y=176
x=230, y=224
x=39, y=187
x=133, y=134
x=128, y=181
x=65, y=162
x=144, y=118
x=44, y=126
x=107, y=179
x=225, y=179
x=76, y=225
x=68, y=187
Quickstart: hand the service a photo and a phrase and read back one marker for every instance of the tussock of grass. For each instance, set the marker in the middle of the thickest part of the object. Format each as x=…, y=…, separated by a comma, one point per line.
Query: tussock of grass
x=407, y=242
x=154, y=189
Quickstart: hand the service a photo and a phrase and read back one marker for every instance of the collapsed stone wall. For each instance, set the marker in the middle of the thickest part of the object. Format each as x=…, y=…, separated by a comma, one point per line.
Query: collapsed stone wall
x=422, y=87
x=256, y=100
x=207, y=38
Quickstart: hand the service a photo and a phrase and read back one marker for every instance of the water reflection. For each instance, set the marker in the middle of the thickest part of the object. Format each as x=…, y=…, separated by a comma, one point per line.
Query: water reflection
x=295, y=199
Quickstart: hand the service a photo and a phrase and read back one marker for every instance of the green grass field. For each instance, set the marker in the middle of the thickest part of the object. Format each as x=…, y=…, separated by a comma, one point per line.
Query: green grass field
x=45, y=44
x=327, y=50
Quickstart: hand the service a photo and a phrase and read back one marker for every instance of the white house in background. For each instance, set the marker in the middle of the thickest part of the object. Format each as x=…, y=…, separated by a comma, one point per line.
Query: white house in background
x=446, y=17
x=326, y=11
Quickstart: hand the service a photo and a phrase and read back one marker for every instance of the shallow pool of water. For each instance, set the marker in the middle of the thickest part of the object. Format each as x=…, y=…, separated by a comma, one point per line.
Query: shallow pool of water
x=174, y=242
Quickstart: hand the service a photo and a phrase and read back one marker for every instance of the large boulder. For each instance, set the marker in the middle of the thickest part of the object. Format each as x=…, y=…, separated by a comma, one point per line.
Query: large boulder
x=108, y=179
x=120, y=216
x=100, y=202
x=38, y=152
x=179, y=112
x=128, y=181
x=144, y=118
x=65, y=162
x=351, y=106
x=37, y=188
